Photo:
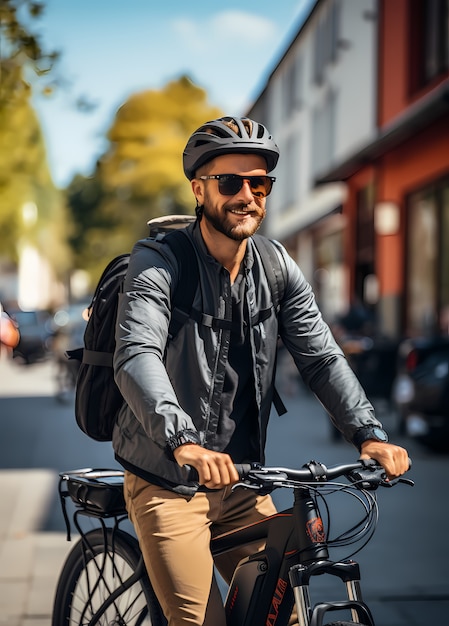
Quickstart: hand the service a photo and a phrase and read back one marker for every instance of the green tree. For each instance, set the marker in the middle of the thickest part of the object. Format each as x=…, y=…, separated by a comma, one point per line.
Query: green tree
x=24, y=178
x=84, y=197
x=141, y=176
x=142, y=170
x=24, y=173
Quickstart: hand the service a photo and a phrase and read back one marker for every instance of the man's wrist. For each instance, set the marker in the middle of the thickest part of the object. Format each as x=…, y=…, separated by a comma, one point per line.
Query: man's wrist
x=184, y=436
x=366, y=433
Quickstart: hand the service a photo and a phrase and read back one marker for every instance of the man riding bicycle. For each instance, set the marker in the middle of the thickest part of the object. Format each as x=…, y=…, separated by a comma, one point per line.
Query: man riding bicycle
x=203, y=399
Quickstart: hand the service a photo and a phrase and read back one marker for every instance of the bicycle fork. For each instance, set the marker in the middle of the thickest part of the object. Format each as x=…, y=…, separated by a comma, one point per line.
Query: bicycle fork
x=315, y=561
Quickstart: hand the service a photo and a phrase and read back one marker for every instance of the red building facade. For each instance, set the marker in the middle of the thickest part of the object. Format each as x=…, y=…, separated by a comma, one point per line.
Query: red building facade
x=397, y=208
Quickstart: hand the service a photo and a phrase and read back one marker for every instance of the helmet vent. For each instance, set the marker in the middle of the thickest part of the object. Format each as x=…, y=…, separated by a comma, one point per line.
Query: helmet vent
x=221, y=132
x=200, y=142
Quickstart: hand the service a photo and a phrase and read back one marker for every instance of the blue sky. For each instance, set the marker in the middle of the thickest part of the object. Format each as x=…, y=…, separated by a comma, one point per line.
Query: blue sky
x=113, y=48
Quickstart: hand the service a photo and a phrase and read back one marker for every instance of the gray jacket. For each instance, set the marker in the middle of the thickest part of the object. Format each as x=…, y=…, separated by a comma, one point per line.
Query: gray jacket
x=172, y=390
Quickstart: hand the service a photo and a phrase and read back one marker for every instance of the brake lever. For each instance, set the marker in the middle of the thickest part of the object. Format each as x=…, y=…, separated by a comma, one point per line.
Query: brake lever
x=395, y=481
x=261, y=481
x=367, y=480
x=246, y=485
x=262, y=488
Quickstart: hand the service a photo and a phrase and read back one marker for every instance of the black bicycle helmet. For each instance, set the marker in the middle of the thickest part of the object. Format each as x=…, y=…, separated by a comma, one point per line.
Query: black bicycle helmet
x=217, y=137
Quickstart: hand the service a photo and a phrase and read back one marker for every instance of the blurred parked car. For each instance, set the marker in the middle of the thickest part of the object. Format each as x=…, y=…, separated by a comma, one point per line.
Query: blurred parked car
x=35, y=335
x=421, y=391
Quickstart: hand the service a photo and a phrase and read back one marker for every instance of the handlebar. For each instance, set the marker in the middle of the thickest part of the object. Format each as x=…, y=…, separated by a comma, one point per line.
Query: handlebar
x=364, y=474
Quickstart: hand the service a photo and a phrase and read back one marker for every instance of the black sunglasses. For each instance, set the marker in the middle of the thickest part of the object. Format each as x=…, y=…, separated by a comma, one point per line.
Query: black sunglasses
x=230, y=184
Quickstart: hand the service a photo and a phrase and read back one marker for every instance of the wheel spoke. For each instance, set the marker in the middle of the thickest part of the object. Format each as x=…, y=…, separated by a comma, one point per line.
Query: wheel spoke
x=91, y=575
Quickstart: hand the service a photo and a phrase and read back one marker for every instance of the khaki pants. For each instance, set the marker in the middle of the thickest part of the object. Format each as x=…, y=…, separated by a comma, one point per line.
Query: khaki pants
x=174, y=533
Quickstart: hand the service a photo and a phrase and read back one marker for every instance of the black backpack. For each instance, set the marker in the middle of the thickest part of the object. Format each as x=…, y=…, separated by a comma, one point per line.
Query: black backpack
x=97, y=398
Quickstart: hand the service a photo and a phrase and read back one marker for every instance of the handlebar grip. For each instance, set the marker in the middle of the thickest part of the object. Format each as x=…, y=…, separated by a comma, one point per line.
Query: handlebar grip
x=243, y=469
x=192, y=475
x=373, y=463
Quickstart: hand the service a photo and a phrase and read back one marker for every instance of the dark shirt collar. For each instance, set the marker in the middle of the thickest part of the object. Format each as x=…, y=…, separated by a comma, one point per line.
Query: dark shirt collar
x=201, y=246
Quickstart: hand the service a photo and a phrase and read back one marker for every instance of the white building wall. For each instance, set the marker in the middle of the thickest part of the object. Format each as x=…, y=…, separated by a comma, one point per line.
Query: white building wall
x=357, y=77
x=317, y=125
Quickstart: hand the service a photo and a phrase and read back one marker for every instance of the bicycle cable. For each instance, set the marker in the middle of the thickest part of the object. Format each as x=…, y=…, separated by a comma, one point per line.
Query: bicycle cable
x=362, y=530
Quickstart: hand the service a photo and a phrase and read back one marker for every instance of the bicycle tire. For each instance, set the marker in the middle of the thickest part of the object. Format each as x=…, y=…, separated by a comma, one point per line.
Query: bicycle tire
x=81, y=591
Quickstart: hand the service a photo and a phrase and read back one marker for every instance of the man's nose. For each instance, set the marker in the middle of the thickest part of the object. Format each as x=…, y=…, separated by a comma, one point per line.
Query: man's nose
x=245, y=192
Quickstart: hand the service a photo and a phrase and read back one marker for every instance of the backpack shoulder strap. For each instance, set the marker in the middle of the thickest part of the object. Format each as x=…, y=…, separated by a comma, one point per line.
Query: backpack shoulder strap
x=273, y=266
x=275, y=271
x=184, y=293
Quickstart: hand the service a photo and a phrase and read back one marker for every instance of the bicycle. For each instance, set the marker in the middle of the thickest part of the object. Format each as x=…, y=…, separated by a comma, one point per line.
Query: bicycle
x=104, y=581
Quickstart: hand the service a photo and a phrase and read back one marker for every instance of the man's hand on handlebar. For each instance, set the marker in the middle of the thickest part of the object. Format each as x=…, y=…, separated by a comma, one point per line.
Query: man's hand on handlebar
x=215, y=469
x=393, y=459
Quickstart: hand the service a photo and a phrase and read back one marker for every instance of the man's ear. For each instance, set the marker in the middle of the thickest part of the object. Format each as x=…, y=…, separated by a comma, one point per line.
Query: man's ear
x=198, y=190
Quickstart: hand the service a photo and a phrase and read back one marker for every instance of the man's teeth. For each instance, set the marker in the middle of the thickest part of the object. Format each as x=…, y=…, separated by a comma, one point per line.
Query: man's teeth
x=240, y=212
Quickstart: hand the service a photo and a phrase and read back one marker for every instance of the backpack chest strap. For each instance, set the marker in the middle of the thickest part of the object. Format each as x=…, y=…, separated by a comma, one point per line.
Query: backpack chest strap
x=94, y=357
x=216, y=323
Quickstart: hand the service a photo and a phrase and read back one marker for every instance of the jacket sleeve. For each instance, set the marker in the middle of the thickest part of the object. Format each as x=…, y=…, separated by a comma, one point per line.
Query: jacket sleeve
x=318, y=357
x=141, y=335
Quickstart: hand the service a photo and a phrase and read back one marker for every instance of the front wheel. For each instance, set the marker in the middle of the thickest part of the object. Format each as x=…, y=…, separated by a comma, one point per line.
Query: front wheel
x=91, y=574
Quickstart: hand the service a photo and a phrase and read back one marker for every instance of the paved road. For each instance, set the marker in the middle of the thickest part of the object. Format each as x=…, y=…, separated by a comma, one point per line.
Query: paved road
x=404, y=568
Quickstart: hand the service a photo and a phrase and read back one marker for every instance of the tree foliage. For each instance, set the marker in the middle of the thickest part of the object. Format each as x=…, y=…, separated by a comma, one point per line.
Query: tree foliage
x=25, y=178
x=24, y=173
x=22, y=49
x=84, y=197
x=140, y=176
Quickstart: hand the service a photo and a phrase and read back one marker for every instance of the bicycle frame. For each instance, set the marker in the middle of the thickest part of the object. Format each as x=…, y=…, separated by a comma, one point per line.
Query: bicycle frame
x=266, y=585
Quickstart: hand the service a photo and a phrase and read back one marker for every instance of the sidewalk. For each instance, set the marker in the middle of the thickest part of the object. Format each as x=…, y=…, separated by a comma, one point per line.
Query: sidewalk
x=22, y=380
x=30, y=561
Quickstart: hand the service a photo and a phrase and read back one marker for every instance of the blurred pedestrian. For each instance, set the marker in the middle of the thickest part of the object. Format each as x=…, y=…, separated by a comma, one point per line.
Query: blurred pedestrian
x=9, y=332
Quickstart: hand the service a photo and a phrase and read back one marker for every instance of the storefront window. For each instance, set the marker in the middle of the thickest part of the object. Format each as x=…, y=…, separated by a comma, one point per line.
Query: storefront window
x=427, y=302
x=364, y=244
x=444, y=271
x=429, y=54
x=329, y=274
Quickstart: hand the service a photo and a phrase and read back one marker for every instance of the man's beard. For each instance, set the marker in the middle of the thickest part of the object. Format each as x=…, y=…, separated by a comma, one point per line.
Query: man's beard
x=225, y=225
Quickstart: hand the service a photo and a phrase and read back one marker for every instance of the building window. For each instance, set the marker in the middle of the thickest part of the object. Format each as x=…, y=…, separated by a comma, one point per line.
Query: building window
x=292, y=88
x=323, y=134
x=293, y=170
x=288, y=183
x=429, y=37
x=427, y=298
x=326, y=40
